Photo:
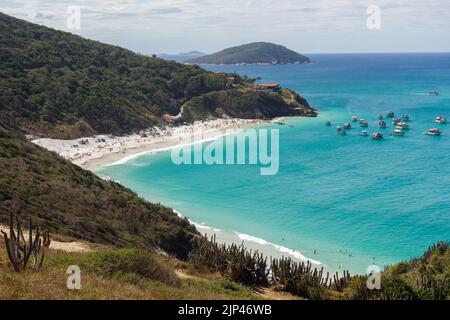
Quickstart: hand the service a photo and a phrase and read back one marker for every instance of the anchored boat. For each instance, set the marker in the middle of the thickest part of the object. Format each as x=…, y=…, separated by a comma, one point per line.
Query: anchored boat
x=340, y=131
x=398, y=133
x=364, y=133
x=405, y=117
x=402, y=126
x=347, y=126
x=328, y=123
x=354, y=118
x=441, y=120
x=363, y=123
x=396, y=121
x=434, y=132
x=380, y=117
x=390, y=114
x=377, y=136
x=382, y=124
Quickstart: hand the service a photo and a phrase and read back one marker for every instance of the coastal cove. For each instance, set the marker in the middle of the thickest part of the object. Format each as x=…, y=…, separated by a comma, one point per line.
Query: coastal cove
x=384, y=201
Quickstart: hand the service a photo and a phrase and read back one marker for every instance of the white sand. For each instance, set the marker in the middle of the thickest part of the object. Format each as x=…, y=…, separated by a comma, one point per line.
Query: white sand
x=91, y=152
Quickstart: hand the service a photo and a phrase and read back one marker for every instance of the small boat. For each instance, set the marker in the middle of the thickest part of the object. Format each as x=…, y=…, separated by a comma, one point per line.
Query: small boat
x=441, y=120
x=377, y=136
x=405, y=117
x=291, y=126
x=382, y=124
x=380, y=117
x=402, y=126
x=354, y=118
x=328, y=123
x=396, y=121
x=398, y=133
x=433, y=93
x=340, y=131
x=434, y=132
x=347, y=126
x=390, y=114
x=363, y=123
x=364, y=133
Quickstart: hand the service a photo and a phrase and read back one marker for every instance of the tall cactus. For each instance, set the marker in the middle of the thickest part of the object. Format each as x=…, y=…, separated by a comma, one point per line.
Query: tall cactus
x=20, y=250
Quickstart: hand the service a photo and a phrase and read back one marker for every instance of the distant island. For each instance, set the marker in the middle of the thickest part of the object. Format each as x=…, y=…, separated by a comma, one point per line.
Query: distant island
x=181, y=57
x=253, y=53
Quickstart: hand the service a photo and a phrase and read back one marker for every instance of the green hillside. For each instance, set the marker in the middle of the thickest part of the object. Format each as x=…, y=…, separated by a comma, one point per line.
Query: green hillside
x=253, y=53
x=70, y=201
x=63, y=86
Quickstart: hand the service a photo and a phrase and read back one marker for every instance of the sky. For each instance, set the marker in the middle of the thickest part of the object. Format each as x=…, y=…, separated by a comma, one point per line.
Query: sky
x=313, y=26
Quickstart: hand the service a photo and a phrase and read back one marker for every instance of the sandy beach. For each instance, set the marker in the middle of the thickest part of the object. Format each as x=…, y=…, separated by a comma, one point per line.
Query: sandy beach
x=92, y=152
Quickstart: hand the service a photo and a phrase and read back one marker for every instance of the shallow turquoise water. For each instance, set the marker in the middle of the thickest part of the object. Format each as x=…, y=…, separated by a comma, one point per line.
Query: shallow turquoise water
x=353, y=200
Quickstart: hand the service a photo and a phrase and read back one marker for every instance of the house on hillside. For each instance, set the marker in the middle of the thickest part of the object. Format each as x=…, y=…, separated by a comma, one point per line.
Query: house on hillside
x=270, y=87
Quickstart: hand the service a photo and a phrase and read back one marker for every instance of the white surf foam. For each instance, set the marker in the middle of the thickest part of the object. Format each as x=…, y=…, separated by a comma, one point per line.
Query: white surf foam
x=290, y=252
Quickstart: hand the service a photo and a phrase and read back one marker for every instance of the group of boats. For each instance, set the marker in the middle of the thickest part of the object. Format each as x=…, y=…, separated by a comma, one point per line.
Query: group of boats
x=401, y=125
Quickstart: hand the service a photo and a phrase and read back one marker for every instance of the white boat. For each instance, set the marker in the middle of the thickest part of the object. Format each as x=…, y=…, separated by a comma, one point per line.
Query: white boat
x=377, y=136
x=363, y=123
x=402, y=126
x=441, y=120
x=396, y=121
x=364, y=133
x=354, y=118
x=398, y=133
x=434, y=132
x=347, y=126
x=405, y=117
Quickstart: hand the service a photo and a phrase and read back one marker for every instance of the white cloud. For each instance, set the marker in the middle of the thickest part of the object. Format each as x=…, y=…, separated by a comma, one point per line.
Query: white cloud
x=307, y=26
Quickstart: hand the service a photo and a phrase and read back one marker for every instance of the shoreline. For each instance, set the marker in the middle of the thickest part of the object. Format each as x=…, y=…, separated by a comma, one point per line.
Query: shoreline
x=269, y=249
x=106, y=150
x=90, y=153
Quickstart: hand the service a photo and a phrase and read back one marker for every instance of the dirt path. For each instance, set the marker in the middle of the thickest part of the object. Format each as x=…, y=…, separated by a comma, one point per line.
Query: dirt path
x=58, y=245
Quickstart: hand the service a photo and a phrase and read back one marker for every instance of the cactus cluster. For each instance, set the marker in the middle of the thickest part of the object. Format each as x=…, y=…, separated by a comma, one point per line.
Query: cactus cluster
x=21, y=249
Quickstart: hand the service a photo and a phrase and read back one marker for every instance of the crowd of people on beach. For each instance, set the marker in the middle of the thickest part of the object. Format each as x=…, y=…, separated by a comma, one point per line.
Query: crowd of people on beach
x=82, y=150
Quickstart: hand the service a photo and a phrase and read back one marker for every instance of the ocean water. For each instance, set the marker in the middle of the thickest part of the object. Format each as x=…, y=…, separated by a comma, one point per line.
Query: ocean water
x=346, y=201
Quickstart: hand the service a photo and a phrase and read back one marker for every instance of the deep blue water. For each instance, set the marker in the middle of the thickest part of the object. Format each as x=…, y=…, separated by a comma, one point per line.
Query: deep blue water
x=353, y=200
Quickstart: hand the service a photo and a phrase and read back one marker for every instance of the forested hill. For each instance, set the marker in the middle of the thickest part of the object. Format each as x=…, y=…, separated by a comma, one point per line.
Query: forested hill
x=64, y=86
x=253, y=53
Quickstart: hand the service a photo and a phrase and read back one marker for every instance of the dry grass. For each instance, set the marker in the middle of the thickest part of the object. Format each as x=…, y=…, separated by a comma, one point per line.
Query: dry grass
x=50, y=284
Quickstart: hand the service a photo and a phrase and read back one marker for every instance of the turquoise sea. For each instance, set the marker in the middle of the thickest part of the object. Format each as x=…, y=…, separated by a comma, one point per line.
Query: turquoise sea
x=346, y=201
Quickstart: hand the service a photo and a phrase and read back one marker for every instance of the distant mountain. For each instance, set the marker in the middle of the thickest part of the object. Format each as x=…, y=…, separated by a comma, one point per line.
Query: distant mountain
x=253, y=53
x=183, y=56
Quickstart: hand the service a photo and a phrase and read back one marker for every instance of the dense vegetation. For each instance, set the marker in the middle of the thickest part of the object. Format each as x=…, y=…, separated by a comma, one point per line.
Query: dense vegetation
x=252, y=53
x=64, y=86
x=246, y=104
x=427, y=277
x=70, y=201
